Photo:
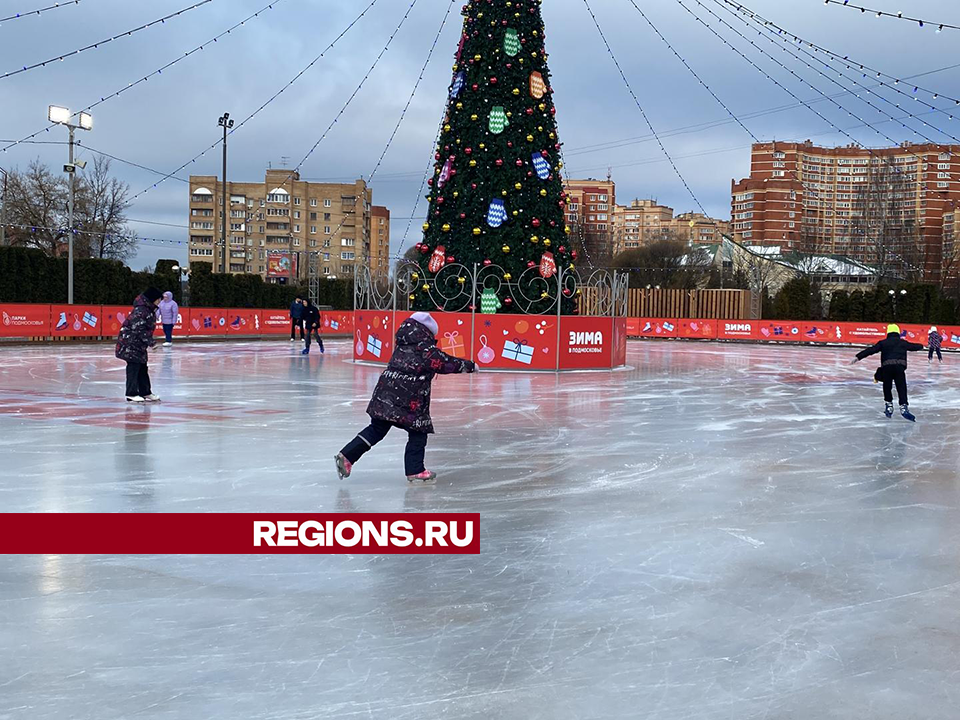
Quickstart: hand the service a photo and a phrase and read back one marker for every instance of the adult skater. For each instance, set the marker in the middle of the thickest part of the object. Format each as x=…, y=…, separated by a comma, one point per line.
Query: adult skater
x=893, y=368
x=402, y=397
x=311, y=324
x=296, y=318
x=136, y=335
x=169, y=312
x=934, y=338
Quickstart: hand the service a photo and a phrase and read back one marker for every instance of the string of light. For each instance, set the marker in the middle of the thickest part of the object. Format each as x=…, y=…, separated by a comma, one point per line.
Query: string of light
x=158, y=71
x=640, y=107
x=17, y=16
x=781, y=35
x=897, y=15
x=406, y=108
x=844, y=58
x=98, y=44
x=64, y=232
x=256, y=112
x=785, y=45
x=783, y=87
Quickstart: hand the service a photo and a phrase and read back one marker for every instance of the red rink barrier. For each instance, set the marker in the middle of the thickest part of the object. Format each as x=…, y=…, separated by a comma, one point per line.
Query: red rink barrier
x=24, y=320
x=239, y=534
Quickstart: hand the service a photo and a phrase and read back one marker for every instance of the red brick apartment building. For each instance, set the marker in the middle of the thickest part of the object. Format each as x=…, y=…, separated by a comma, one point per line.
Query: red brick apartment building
x=802, y=197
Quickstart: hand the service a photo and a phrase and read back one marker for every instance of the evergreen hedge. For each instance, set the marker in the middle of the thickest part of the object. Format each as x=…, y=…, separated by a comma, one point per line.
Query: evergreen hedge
x=30, y=276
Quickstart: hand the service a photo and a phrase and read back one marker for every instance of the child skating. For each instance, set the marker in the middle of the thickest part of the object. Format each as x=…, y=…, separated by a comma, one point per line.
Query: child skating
x=893, y=368
x=402, y=397
x=934, y=338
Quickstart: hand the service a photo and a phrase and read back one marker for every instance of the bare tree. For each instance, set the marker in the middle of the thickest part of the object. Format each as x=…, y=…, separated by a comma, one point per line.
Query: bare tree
x=670, y=262
x=37, y=212
x=102, y=202
x=884, y=222
x=37, y=208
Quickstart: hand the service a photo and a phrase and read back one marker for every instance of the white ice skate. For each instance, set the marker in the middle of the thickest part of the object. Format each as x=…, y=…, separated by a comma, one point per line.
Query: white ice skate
x=135, y=399
x=152, y=397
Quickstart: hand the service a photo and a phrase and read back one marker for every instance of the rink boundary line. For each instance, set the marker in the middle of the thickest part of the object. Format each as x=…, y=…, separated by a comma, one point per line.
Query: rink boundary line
x=768, y=343
x=521, y=371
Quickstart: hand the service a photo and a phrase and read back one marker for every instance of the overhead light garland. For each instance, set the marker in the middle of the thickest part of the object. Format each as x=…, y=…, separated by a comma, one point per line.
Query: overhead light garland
x=96, y=45
x=898, y=15
x=17, y=16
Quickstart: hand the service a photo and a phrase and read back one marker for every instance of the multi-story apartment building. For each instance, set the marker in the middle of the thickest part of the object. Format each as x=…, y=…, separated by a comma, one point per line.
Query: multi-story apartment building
x=646, y=221
x=868, y=204
x=590, y=207
x=379, y=241
x=283, y=217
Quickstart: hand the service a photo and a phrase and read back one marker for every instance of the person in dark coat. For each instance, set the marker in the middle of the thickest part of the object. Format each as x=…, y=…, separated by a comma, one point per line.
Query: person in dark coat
x=311, y=323
x=893, y=351
x=934, y=338
x=296, y=319
x=402, y=397
x=136, y=335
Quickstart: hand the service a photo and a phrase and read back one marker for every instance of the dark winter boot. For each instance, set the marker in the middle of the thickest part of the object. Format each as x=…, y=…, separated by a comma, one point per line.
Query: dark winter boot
x=907, y=415
x=888, y=410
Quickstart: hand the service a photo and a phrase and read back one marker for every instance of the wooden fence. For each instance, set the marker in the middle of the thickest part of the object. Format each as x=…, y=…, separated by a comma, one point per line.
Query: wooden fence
x=706, y=304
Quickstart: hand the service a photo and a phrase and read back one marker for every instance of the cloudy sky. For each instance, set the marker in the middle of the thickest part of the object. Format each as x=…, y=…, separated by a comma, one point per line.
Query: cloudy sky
x=164, y=122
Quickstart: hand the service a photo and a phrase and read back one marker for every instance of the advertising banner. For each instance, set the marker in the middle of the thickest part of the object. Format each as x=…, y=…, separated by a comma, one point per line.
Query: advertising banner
x=75, y=320
x=275, y=322
x=24, y=320
x=243, y=322
x=586, y=342
x=336, y=322
x=207, y=321
x=279, y=264
x=178, y=327
x=373, y=335
x=657, y=327
x=515, y=342
x=700, y=329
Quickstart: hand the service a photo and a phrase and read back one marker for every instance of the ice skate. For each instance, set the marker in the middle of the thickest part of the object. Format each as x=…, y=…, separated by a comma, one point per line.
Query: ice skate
x=888, y=410
x=427, y=476
x=152, y=397
x=167, y=344
x=344, y=466
x=305, y=351
x=135, y=399
x=907, y=415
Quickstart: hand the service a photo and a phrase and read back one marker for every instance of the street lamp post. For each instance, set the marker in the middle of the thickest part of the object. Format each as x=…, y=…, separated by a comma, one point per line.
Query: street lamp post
x=3, y=209
x=184, y=280
x=226, y=123
x=896, y=297
x=62, y=116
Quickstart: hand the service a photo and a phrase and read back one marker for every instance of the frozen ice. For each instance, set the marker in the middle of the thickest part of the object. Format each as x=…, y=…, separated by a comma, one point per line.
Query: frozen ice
x=721, y=532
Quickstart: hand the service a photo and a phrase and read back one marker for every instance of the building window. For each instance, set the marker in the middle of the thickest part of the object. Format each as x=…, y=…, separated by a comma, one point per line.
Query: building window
x=778, y=173
x=327, y=203
x=296, y=214
x=326, y=229
x=278, y=198
x=202, y=251
x=326, y=217
x=296, y=201
x=347, y=256
x=296, y=228
x=347, y=242
x=313, y=229
x=313, y=216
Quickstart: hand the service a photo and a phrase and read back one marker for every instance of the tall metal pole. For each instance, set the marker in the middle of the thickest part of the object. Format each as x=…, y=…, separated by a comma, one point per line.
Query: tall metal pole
x=223, y=199
x=72, y=170
x=3, y=210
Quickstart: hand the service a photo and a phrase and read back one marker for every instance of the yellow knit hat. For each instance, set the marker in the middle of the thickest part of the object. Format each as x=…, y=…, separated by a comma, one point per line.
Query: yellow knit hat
x=893, y=329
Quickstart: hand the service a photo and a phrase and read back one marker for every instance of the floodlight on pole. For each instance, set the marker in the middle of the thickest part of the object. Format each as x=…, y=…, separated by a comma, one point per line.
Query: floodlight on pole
x=62, y=116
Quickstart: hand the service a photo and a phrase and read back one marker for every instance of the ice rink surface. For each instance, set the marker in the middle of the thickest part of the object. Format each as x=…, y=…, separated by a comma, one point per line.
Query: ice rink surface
x=719, y=532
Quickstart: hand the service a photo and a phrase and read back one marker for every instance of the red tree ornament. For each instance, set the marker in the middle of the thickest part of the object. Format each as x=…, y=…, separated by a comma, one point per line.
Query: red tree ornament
x=548, y=266
x=438, y=259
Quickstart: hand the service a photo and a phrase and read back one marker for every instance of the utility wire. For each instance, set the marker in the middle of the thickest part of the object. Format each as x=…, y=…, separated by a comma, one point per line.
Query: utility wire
x=96, y=45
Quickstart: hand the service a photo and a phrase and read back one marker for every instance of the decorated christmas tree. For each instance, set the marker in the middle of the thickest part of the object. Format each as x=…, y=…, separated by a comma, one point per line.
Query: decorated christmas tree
x=496, y=196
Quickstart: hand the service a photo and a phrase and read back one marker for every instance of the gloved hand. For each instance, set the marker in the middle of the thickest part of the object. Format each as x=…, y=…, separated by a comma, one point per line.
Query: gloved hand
x=472, y=367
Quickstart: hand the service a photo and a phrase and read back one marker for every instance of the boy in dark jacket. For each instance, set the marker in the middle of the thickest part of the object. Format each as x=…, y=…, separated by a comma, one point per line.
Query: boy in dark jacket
x=136, y=335
x=311, y=321
x=402, y=397
x=296, y=319
x=893, y=368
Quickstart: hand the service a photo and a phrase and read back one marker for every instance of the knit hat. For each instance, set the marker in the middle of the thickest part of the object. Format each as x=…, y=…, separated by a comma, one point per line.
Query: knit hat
x=426, y=320
x=893, y=329
x=933, y=329
x=152, y=294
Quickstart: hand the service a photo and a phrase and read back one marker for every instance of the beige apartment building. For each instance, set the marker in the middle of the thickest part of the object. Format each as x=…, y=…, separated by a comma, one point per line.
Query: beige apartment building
x=274, y=225
x=379, y=241
x=646, y=221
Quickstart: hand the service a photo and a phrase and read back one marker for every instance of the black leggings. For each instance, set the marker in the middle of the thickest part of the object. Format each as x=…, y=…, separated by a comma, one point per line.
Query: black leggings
x=294, y=324
x=894, y=374
x=310, y=333
x=375, y=432
x=932, y=351
x=138, y=380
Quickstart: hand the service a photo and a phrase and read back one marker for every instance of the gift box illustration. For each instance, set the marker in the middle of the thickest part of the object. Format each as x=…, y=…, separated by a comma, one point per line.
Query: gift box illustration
x=452, y=344
x=208, y=322
x=518, y=350
x=668, y=326
x=90, y=319
x=374, y=345
x=334, y=324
